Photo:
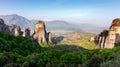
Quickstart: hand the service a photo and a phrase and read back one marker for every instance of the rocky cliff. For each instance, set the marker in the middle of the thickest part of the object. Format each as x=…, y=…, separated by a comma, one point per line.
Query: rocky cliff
x=40, y=33
x=109, y=39
x=114, y=34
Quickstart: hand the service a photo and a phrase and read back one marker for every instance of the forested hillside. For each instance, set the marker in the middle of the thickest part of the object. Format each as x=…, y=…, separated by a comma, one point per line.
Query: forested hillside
x=23, y=52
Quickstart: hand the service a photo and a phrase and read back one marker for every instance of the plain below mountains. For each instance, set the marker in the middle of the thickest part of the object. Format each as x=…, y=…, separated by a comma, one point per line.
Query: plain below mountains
x=54, y=26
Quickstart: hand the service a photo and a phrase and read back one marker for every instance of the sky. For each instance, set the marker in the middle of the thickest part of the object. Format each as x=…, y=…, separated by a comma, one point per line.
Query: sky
x=99, y=12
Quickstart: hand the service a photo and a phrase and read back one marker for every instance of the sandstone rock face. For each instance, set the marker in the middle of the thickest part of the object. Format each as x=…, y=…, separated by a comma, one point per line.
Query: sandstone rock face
x=40, y=33
x=11, y=28
x=17, y=31
x=101, y=38
x=114, y=34
x=49, y=39
x=26, y=32
x=108, y=39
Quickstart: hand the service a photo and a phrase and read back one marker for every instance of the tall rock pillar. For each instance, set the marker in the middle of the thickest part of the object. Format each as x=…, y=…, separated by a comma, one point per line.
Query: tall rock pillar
x=40, y=34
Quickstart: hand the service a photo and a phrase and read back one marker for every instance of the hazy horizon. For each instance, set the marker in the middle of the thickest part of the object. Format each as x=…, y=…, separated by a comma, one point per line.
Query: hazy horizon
x=100, y=12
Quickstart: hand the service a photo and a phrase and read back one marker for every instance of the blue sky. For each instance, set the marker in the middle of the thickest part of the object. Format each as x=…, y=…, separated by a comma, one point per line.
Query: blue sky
x=100, y=12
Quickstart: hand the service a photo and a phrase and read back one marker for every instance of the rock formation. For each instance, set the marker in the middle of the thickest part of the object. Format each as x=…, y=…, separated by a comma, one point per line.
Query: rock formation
x=40, y=33
x=75, y=36
x=108, y=39
x=49, y=39
x=101, y=38
x=17, y=31
x=114, y=34
x=26, y=32
x=1, y=24
x=11, y=28
x=3, y=27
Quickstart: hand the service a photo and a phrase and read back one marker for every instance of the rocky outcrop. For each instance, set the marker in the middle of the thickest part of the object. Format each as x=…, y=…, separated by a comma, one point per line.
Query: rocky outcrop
x=40, y=33
x=49, y=37
x=114, y=34
x=11, y=29
x=108, y=39
x=17, y=31
x=74, y=36
x=26, y=32
x=101, y=38
x=3, y=26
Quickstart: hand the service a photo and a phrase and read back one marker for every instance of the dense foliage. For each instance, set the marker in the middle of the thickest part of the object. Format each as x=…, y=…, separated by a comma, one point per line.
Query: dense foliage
x=21, y=45
x=23, y=52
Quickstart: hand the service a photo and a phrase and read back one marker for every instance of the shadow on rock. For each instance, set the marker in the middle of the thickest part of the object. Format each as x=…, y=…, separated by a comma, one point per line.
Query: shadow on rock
x=56, y=40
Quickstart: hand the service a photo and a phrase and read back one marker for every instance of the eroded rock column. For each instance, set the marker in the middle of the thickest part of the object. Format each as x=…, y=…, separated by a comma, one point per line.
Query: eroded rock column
x=40, y=33
x=17, y=31
x=26, y=32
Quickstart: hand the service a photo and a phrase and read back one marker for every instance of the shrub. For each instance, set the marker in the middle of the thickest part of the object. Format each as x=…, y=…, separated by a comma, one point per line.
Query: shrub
x=70, y=58
x=21, y=45
x=12, y=65
x=96, y=60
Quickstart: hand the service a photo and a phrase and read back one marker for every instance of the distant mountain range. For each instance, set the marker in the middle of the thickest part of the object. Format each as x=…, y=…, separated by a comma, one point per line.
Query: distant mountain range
x=56, y=25
x=91, y=27
x=17, y=20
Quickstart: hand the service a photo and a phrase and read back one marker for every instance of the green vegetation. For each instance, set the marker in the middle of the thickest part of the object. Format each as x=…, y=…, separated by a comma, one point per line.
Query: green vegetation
x=82, y=41
x=21, y=45
x=23, y=52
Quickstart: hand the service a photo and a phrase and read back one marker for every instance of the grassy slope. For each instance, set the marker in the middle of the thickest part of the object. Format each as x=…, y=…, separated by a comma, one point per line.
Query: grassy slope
x=82, y=41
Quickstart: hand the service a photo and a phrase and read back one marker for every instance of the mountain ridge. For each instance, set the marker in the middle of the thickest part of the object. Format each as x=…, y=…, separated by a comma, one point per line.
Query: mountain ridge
x=54, y=25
